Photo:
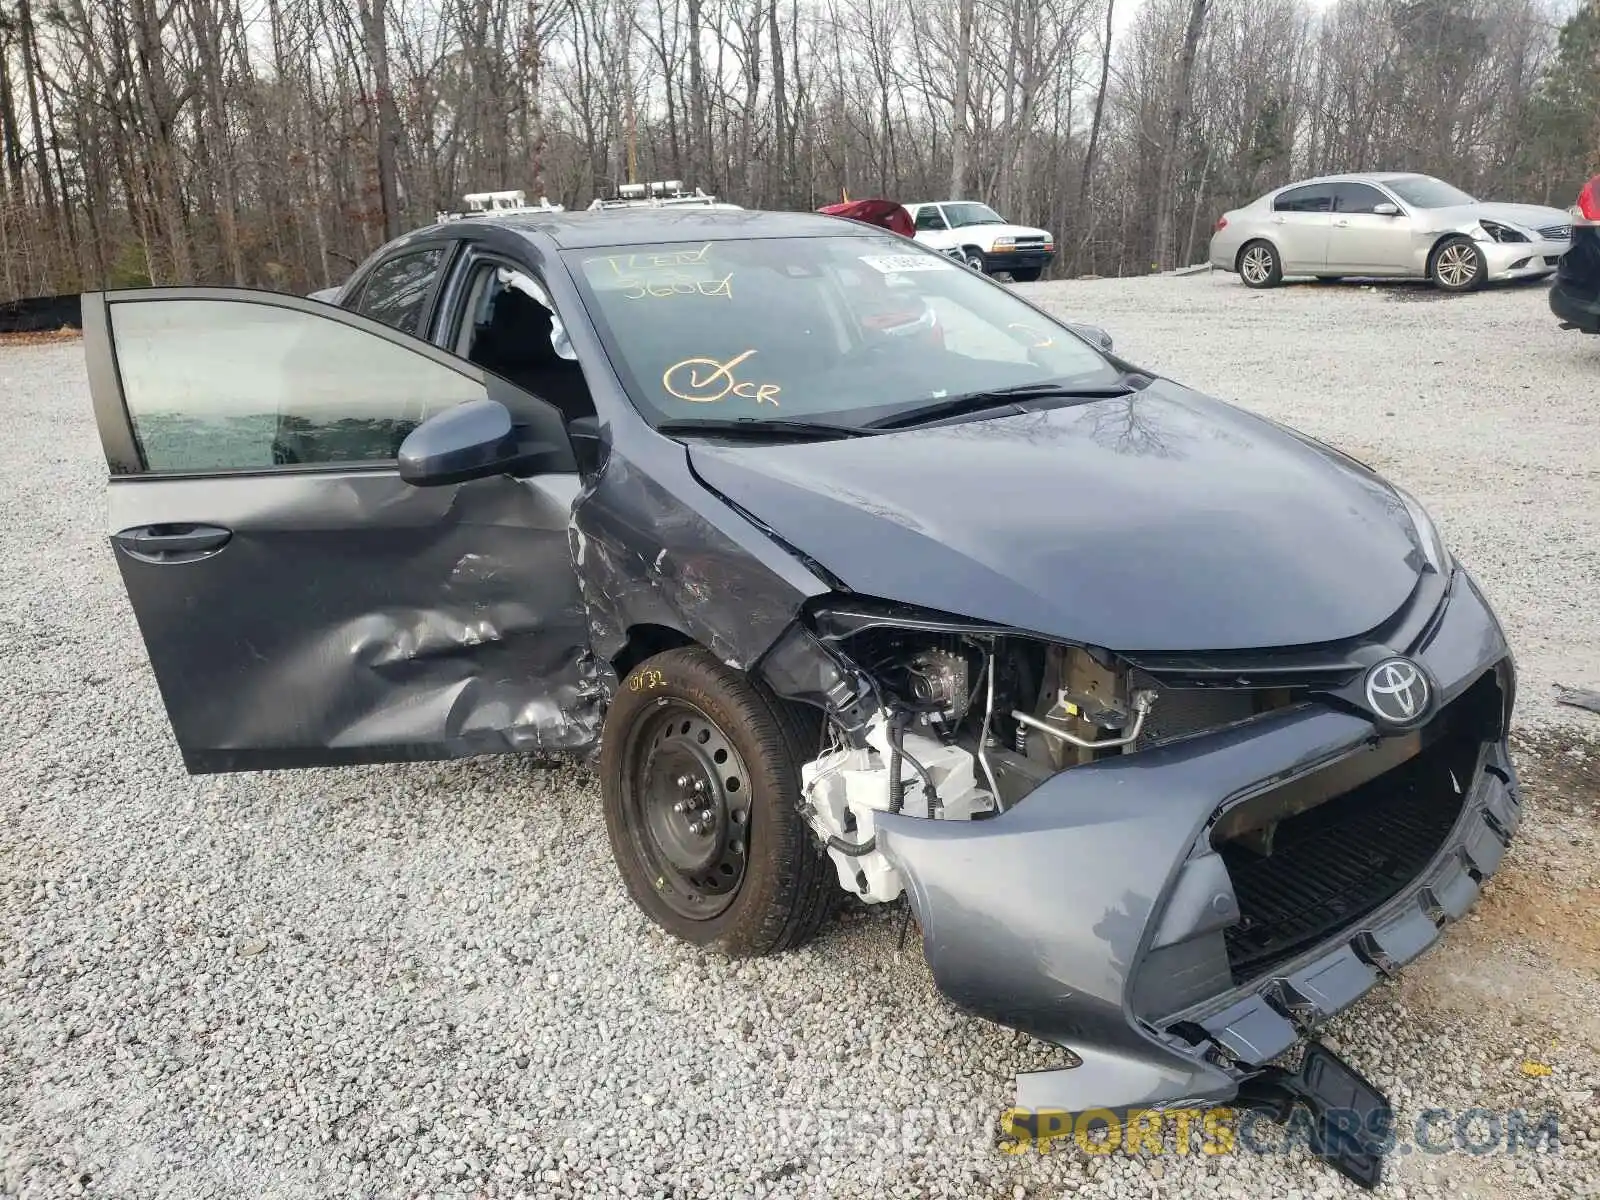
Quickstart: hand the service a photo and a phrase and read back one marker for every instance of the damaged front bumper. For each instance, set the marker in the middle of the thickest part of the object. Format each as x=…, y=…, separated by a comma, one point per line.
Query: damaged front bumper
x=1097, y=914
x=1522, y=260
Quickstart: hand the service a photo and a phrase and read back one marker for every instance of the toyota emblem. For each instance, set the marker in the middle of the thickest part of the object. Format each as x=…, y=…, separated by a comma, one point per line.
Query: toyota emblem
x=1397, y=691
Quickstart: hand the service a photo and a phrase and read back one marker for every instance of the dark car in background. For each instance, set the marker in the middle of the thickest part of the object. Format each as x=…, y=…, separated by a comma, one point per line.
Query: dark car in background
x=1178, y=730
x=1575, y=293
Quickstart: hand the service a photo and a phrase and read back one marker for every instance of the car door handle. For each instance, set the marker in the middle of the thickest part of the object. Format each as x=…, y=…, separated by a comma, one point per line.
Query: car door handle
x=172, y=543
x=1277, y=220
x=1341, y=223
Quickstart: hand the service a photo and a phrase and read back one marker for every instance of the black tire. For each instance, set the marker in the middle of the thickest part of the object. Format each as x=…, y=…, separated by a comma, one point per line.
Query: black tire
x=1259, y=265
x=1026, y=274
x=973, y=257
x=1457, y=265
x=684, y=715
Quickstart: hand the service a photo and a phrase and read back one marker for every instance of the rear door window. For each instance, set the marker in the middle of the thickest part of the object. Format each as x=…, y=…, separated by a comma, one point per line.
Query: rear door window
x=1316, y=198
x=928, y=217
x=399, y=290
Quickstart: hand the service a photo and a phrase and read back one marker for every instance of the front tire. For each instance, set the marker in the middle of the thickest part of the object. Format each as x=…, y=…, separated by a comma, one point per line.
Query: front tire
x=1458, y=265
x=700, y=783
x=1260, y=266
x=973, y=259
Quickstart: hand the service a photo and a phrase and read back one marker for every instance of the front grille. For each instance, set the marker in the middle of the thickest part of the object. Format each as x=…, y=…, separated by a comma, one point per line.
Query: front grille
x=1332, y=865
x=1551, y=260
x=1556, y=233
x=1338, y=862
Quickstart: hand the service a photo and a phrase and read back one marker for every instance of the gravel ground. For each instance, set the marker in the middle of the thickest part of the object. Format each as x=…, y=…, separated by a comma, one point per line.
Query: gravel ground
x=426, y=979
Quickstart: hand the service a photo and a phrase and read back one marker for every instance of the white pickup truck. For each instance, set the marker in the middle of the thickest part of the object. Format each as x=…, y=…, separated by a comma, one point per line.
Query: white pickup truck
x=982, y=238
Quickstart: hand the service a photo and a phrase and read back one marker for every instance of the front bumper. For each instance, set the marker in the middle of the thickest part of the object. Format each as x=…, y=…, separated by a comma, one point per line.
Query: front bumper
x=1082, y=914
x=1018, y=260
x=1522, y=260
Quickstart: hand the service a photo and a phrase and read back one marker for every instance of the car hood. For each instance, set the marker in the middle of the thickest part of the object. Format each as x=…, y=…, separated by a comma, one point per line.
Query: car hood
x=1006, y=230
x=1524, y=216
x=1160, y=521
x=993, y=231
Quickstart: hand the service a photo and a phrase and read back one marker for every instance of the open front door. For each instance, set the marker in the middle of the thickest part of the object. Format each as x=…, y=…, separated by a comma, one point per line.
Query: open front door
x=301, y=605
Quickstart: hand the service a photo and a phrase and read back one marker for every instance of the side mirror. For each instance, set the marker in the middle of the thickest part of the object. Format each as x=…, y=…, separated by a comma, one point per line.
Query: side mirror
x=1386, y=209
x=471, y=441
x=1092, y=334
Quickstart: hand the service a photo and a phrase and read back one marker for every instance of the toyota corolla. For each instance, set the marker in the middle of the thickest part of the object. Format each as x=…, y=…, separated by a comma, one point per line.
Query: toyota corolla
x=855, y=573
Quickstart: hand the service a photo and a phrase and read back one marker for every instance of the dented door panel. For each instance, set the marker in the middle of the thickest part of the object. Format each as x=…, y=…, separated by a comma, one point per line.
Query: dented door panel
x=318, y=613
x=353, y=618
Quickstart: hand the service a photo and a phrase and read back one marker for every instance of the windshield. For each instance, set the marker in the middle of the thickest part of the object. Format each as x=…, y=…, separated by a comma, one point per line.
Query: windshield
x=1424, y=191
x=970, y=213
x=846, y=329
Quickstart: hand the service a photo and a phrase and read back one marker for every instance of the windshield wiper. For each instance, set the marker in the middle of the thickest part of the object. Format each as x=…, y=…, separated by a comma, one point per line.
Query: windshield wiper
x=1008, y=397
x=761, y=427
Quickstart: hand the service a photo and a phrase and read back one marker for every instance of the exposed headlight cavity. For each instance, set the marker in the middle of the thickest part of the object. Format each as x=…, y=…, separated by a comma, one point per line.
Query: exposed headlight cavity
x=1494, y=231
x=940, y=718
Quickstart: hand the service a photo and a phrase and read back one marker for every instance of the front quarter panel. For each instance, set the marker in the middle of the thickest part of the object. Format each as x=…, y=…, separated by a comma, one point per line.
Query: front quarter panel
x=653, y=545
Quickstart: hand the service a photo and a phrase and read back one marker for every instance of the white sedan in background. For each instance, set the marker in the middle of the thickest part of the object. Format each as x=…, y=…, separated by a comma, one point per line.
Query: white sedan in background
x=1389, y=224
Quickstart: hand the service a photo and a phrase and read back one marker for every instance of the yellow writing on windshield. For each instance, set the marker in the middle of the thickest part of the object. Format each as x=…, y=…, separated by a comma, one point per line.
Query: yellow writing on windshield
x=627, y=264
x=663, y=274
x=706, y=381
x=661, y=286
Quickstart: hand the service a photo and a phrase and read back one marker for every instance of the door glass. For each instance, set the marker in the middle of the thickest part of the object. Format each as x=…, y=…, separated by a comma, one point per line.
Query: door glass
x=517, y=334
x=229, y=385
x=398, y=290
x=929, y=218
x=1356, y=197
x=1315, y=199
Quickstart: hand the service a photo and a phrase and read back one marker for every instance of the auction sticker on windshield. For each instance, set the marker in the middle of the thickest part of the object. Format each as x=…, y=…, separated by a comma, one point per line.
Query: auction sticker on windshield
x=894, y=264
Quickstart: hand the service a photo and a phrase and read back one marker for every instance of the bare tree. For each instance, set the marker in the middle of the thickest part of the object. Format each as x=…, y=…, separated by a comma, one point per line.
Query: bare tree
x=1182, y=93
x=272, y=141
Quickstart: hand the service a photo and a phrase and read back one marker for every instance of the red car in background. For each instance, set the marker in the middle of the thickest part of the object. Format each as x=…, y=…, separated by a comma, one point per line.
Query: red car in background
x=885, y=213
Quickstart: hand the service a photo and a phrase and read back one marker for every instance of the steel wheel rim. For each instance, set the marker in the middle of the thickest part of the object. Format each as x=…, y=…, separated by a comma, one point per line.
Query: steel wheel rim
x=688, y=809
x=975, y=262
x=1257, y=265
x=1458, y=265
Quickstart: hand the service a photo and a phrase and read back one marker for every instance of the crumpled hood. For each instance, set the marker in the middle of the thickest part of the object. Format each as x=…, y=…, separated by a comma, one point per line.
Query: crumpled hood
x=1524, y=216
x=1161, y=521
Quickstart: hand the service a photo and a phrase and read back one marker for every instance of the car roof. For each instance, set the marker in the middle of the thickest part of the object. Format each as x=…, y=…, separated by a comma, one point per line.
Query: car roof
x=644, y=226
x=1352, y=177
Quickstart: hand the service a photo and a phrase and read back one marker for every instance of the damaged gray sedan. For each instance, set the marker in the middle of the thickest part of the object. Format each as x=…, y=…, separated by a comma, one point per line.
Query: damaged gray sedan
x=1178, y=729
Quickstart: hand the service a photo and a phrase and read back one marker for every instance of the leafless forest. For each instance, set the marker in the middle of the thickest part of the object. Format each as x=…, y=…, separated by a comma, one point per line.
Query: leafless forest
x=270, y=142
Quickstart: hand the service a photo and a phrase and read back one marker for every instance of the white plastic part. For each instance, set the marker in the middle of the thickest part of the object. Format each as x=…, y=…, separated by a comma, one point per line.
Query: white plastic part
x=492, y=204
x=847, y=789
x=667, y=193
